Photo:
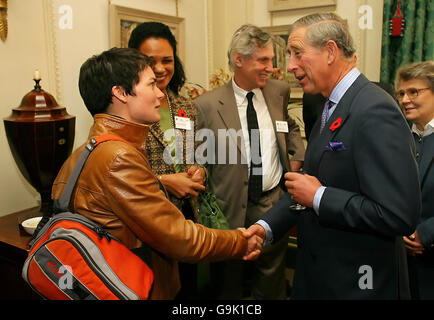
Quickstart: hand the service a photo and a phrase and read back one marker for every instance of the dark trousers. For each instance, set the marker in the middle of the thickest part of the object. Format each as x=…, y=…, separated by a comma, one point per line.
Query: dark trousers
x=187, y=271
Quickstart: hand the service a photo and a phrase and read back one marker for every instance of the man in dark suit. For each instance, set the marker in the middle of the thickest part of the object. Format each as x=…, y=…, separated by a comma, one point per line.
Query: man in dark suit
x=247, y=177
x=361, y=187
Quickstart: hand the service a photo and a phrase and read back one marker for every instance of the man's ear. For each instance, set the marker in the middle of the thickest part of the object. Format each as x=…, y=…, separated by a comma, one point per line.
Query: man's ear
x=119, y=93
x=332, y=51
x=238, y=59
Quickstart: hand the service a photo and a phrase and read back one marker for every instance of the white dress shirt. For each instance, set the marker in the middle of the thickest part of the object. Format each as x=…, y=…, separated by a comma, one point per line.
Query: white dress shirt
x=272, y=169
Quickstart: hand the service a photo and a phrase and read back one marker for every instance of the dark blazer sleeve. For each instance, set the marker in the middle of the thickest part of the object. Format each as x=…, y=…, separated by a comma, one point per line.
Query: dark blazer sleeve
x=388, y=199
x=426, y=232
x=280, y=218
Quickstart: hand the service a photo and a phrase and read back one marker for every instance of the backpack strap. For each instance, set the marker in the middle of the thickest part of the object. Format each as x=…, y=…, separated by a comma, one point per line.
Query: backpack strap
x=62, y=204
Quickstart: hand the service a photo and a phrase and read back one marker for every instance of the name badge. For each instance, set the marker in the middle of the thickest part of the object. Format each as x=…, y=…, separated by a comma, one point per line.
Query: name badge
x=282, y=126
x=183, y=123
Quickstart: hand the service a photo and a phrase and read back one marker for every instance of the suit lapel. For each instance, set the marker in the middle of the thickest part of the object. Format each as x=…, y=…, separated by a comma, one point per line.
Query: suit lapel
x=158, y=133
x=319, y=141
x=228, y=112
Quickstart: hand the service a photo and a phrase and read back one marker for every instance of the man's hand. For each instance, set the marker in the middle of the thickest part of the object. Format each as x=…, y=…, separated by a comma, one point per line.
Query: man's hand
x=181, y=185
x=302, y=187
x=254, y=245
x=413, y=244
x=255, y=229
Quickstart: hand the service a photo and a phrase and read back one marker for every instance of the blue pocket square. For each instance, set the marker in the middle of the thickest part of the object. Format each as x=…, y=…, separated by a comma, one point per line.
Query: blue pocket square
x=335, y=146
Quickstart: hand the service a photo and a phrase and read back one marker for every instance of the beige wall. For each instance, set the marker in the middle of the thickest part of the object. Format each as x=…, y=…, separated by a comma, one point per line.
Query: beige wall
x=35, y=41
x=367, y=41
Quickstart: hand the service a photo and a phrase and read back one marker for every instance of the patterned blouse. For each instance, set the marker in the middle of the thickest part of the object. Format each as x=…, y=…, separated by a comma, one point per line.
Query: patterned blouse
x=156, y=145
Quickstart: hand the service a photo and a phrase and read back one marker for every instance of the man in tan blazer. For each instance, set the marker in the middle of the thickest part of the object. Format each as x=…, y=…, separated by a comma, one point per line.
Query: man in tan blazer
x=254, y=138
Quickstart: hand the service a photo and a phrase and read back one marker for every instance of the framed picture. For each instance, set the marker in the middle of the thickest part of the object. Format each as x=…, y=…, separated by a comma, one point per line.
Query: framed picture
x=281, y=58
x=123, y=20
x=281, y=5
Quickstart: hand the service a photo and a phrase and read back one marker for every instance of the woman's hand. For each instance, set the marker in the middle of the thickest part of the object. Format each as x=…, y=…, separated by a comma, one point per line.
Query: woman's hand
x=413, y=244
x=181, y=185
x=197, y=174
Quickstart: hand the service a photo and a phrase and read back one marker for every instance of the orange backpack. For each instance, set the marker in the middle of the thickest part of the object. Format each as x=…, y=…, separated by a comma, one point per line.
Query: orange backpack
x=72, y=257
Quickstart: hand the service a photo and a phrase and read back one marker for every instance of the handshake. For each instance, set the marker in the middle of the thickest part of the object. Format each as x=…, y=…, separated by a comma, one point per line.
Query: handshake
x=255, y=236
x=302, y=189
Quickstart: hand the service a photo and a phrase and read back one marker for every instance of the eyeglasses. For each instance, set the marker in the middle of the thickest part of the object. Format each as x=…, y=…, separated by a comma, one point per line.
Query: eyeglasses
x=412, y=93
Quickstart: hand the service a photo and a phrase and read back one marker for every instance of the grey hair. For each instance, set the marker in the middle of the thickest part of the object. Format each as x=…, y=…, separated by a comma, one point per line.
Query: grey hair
x=245, y=40
x=322, y=27
x=417, y=70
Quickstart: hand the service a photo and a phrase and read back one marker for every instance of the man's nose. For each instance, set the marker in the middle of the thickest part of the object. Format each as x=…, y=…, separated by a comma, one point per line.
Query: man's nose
x=292, y=66
x=269, y=67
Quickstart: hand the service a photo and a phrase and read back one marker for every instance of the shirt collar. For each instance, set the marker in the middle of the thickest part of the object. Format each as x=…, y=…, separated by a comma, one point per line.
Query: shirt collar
x=429, y=129
x=343, y=85
x=240, y=94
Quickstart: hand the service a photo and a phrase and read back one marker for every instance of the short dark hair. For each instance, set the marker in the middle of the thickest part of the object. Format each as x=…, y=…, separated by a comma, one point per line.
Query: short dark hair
x=159, y=30
x=114, y=67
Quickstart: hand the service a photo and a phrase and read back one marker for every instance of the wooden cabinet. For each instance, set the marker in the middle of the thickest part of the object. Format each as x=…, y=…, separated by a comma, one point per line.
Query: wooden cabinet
x=14, y=243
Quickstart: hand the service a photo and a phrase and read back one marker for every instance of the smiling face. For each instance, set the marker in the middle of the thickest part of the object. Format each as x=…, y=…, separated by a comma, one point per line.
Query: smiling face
x=142, y=107
x=252, y=72
x=308, y=63
x=161, y=52
x=419, y=109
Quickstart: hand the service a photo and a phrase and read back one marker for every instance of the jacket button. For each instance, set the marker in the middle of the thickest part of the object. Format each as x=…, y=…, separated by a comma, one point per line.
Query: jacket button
x=417, y=155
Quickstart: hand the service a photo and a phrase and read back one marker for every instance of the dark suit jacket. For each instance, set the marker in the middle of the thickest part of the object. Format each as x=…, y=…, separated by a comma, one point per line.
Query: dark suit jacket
x=423, y=267
x=217, y=110
x=313, y=105
x=372, y=199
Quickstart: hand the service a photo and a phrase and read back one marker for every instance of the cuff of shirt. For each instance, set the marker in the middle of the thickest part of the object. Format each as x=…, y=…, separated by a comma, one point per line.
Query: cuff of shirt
x=268, y=233
x=317, y=199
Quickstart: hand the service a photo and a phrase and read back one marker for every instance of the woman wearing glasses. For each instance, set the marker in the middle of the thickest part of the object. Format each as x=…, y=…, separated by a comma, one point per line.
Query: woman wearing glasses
x=415, y=93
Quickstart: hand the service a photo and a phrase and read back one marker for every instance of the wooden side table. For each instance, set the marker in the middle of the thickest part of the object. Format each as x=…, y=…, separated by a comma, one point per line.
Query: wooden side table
x=14, y=245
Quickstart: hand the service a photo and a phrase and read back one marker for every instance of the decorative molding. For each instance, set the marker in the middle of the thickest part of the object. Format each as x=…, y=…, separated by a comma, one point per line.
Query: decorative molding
x=360, y=40
x=52, y=51
x=210, y=39
x=282, y=5
x=120, y=15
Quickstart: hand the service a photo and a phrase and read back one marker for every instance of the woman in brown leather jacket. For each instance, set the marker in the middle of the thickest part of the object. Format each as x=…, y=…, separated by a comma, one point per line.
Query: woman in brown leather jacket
x=182, y=179
x=117, y=188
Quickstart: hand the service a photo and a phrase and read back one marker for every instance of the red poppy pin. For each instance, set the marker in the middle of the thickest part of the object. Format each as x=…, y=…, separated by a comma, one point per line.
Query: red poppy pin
x=181, y=113
x=336, y=124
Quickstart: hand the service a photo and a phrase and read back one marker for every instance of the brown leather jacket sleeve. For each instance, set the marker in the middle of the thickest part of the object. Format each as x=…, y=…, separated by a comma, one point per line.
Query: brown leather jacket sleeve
x=133, y=194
